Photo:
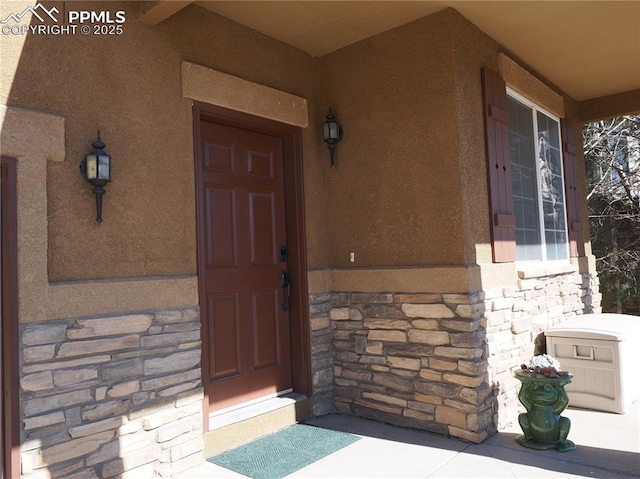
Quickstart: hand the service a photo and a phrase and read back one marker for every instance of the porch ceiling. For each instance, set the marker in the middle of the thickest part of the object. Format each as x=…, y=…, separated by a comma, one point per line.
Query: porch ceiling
x=590, y=49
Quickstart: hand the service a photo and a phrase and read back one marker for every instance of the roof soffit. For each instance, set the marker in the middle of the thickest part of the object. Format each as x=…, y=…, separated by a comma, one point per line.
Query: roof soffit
x=589, y=49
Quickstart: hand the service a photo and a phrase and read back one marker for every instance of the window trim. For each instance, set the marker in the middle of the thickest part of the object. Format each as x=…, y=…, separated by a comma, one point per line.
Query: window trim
x=511, y=93
x=531, y=270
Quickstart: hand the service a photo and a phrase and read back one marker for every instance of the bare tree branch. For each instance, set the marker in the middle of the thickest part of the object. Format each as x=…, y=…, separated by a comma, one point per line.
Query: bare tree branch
x=612, y=156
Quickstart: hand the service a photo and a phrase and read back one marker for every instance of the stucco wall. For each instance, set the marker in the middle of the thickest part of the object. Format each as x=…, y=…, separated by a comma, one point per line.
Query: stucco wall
x=393, y=198
x=129, y=87
x=409, y=100
x=473, y=51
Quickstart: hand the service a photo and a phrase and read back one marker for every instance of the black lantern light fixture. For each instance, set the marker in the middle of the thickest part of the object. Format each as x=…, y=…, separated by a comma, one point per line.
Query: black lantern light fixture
x=332, y=134
x=95, y=168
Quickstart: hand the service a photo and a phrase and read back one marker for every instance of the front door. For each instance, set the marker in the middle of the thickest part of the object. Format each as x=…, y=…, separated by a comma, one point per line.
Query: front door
x=244, y=285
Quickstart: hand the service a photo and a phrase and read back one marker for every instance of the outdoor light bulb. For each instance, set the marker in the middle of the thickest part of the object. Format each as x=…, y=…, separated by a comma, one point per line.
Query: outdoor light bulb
x=92, y=167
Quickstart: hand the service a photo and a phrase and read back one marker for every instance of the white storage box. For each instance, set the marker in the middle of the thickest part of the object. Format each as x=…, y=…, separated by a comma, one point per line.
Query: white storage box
x=602, y=351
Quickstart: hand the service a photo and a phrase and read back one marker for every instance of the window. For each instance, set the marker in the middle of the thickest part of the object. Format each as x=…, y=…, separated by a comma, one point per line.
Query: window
x=537, y=182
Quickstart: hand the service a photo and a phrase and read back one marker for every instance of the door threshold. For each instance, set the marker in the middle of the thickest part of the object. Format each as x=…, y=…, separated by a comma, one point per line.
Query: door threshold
x=251, y=409
x=233, y=428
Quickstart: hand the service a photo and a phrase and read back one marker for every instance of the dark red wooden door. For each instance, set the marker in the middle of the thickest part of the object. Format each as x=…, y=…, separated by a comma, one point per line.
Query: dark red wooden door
x=241, y=232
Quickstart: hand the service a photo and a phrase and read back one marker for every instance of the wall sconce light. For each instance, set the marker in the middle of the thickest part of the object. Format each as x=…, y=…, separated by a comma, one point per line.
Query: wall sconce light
x=95, y=168
x=332, y=134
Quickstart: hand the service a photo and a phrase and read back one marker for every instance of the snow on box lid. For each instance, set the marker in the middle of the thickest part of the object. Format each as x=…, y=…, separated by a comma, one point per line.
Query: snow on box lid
x=604, y=326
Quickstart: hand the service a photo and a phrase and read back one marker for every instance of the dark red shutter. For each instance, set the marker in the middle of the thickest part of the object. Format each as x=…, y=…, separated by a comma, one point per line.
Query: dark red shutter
x=503, y=221
x=569, y=153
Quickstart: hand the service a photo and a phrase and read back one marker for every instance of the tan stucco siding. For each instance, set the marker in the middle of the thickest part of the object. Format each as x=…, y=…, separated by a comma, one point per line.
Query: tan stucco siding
x=473, y=51
x=410, y=185
x=130, y=87
x=393, y=198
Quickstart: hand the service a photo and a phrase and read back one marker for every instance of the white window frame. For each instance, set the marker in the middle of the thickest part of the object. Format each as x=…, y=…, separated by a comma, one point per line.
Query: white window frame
x=537, y=108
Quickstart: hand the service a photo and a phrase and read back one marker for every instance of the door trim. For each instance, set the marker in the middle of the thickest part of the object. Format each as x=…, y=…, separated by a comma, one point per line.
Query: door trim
x=9, y=271
x=296, y=236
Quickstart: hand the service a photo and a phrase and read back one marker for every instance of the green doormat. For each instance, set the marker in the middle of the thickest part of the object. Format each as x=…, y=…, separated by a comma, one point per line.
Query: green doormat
x=284, y=452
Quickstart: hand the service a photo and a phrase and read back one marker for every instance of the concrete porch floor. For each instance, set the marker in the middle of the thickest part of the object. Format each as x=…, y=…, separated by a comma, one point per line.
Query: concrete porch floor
x=608, y=447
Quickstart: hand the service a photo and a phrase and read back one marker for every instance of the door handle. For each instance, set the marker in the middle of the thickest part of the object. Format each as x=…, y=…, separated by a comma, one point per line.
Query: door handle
x=285, y=283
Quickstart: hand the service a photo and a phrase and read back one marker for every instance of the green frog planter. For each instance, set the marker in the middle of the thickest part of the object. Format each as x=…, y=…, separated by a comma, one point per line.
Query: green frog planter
x=544, y=399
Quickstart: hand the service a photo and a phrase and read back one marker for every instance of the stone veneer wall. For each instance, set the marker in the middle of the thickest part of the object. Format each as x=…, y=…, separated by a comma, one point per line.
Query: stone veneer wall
x=516, y=316
x=445, y=362
x=424, y=365
x=116, y=396
x=321, y=354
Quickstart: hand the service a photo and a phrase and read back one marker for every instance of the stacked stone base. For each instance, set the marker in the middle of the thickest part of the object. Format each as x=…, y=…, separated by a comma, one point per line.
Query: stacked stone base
x=321, y=355
x=516, y=318
x=440, y=362
x=121, y=396
x=118, y=396
x=416, y=360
